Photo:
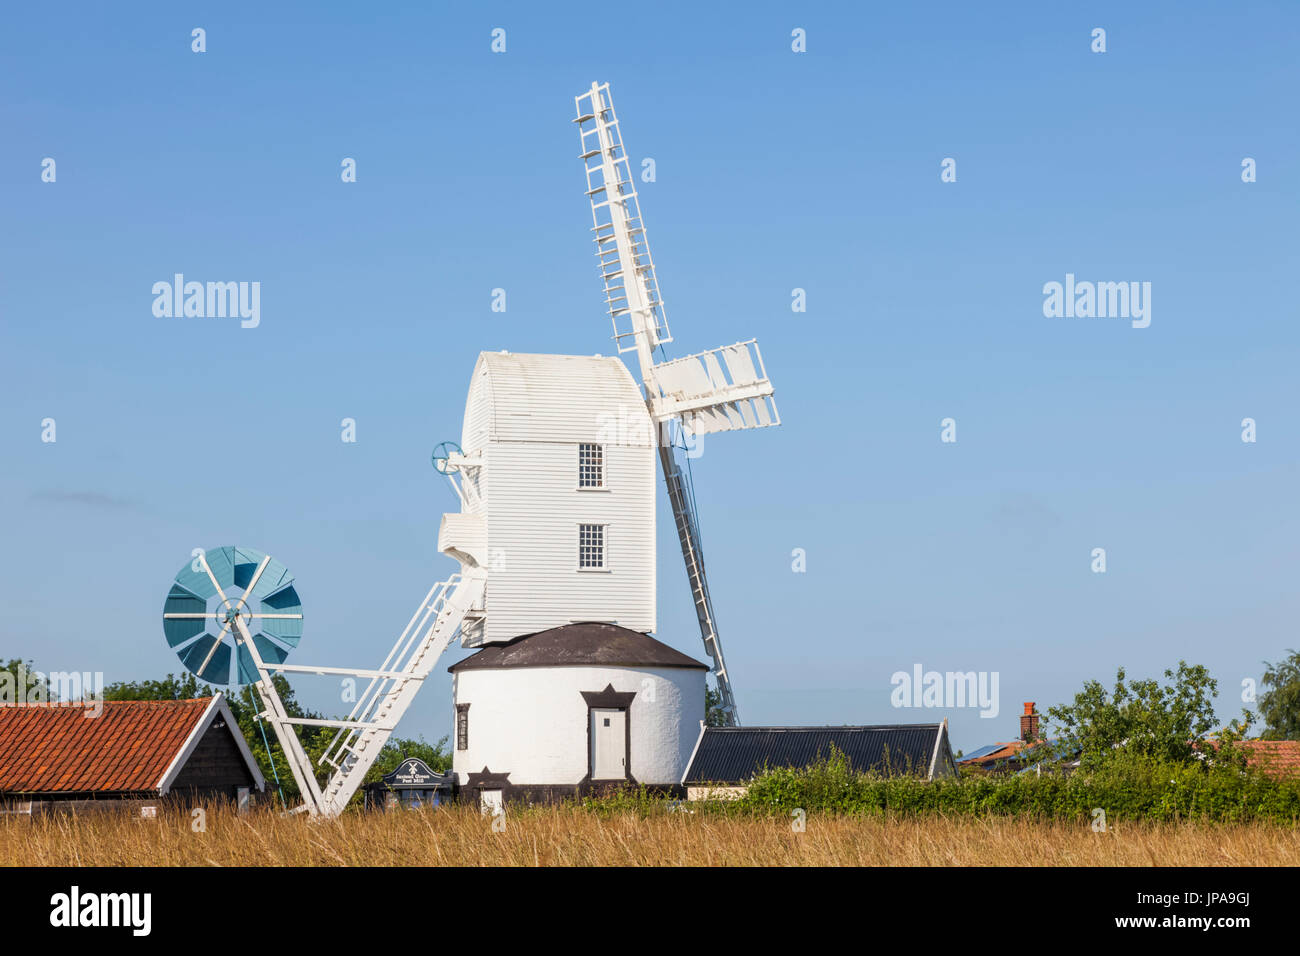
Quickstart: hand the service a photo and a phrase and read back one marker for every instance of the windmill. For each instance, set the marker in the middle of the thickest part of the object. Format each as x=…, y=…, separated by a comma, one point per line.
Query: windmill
x=724, y=389
x=233, y=614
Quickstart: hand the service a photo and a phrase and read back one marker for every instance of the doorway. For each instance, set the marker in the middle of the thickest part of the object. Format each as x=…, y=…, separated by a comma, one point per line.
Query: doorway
x=608, y=743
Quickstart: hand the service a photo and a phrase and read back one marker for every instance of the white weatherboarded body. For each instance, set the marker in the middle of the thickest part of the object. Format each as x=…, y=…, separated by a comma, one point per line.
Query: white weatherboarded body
x=529, y=419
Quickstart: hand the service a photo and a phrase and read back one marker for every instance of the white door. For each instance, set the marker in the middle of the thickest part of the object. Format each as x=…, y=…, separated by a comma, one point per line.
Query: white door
x=608, y=743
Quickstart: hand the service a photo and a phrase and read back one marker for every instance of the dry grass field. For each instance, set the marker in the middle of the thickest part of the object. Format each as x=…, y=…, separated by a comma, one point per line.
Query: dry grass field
x=573, y=837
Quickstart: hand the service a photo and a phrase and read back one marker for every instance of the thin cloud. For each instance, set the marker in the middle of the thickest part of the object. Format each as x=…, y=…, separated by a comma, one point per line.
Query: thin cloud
x=85, y=499
x=1021, y=511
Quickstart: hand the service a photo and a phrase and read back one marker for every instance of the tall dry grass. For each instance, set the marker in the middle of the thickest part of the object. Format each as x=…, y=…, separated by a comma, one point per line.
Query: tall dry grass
x=569, y=836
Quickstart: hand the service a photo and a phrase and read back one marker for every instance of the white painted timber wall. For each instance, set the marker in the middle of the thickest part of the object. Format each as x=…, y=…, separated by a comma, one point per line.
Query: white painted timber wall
x=532, y=721
x=525, y=417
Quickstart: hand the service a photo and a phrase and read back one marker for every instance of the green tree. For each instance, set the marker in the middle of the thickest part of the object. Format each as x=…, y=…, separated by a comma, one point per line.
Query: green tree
x=437, y=756
x=1141, y=717
x=714, y=716
x=170, y=687
x=21, y=682
x=1279, y=704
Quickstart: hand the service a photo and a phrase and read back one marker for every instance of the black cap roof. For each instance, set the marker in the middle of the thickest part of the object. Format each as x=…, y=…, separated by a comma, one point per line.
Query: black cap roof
x=576, y=645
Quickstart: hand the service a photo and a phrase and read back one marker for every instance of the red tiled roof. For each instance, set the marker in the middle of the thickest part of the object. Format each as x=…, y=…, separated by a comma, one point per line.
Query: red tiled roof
x=1005, y=751
x=48, y=748
x=1277, y=758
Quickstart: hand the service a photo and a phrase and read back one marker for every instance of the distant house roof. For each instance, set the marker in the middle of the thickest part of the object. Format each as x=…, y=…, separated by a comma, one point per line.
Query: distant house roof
x=1277, y=758
x=988, y=750
x=734, y=755
x=131, y=746
x=575, y=645
x=993, y=754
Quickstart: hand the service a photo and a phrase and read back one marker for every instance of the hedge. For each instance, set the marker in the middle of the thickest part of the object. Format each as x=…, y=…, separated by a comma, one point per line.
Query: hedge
x=1126, y=789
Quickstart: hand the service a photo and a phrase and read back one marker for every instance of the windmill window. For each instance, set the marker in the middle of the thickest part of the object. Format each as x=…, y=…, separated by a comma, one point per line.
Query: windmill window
x=462, y=726
x=591, y=547
x=591, y=466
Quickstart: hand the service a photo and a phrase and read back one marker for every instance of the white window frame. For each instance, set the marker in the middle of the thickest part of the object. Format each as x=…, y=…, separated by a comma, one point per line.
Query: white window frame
x=603, y=466
x=604, y=547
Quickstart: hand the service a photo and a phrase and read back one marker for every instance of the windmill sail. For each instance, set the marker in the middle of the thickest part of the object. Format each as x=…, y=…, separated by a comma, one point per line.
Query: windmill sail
x=724, y=389
x=697, y=390
x=622, y=250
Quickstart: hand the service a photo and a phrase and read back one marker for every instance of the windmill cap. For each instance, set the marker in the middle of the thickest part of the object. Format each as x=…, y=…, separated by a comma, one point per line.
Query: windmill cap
x=588, y=643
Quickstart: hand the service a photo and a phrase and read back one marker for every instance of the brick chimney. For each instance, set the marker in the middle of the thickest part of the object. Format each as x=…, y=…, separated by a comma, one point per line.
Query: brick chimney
x=1029, y=722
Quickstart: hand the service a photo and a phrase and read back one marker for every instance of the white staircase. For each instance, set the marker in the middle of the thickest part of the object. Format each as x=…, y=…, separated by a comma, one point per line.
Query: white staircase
x=391, y=690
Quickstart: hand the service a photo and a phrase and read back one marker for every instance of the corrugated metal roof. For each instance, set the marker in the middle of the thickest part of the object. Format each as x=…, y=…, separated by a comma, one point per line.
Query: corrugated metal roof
x=51, y=748
x=576, y=645
x=733, y=755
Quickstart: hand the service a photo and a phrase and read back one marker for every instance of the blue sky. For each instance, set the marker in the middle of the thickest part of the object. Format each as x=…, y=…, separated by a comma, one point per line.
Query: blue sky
x=775, y=170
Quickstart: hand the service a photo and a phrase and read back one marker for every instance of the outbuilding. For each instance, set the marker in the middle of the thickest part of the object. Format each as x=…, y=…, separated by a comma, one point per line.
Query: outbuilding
x=106, y=754
x=726, y=759
x=572, y=710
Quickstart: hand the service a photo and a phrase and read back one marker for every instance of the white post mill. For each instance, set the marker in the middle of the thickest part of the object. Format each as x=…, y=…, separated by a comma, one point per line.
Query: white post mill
x=555, y=536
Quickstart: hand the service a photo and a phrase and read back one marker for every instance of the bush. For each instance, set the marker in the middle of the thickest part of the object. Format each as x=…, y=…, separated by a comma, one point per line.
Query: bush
x=627, y=799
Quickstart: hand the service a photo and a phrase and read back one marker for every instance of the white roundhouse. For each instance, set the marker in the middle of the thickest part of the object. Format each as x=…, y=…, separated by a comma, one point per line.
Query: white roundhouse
x=572, y=709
